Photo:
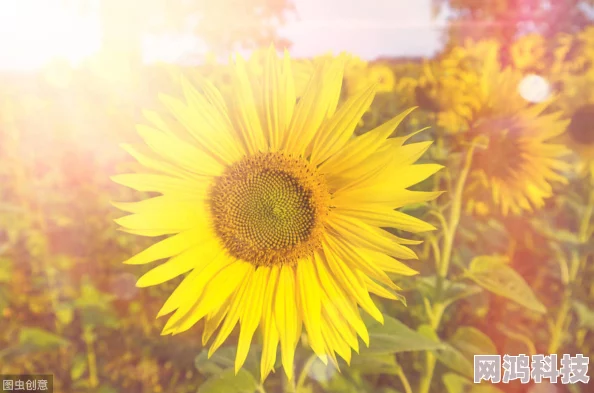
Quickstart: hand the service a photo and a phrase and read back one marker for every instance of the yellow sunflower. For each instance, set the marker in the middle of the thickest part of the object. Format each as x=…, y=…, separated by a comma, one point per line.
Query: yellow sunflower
x=520, y=163
x=528, y=53
x=383, y=76
x=274, y=213
x=450, y=86
x=573, y=53
x=577, y=101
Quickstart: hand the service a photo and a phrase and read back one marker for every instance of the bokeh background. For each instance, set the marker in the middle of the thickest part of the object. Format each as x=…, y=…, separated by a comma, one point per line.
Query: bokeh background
x=75, y=76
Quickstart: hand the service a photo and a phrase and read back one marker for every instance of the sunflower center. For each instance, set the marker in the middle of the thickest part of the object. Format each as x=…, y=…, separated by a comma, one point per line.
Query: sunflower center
x=503, y=157
x=581, y=128
x=270, y=208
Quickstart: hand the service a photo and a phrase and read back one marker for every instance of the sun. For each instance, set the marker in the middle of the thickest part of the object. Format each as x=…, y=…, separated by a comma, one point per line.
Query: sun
x=274, y=211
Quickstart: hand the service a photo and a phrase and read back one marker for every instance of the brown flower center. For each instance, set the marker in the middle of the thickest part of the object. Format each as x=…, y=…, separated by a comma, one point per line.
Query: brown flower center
x=270, y=208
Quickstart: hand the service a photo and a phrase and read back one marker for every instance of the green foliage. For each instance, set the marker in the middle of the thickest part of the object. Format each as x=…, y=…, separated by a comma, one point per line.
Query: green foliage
x=494, y=274
x=228, y=382
x=393, y=337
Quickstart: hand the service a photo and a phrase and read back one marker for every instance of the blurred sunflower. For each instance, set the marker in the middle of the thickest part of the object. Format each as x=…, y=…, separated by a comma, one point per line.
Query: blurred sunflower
x=450, y=86
x=528, y=53
x=577, y=100
x=275, y=211
x=383, y=76
x=573, y=54
x=520, y=162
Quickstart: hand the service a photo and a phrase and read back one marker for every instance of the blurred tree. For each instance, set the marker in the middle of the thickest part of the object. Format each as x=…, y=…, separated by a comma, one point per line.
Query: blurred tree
x=223, y=25
x=505, y=20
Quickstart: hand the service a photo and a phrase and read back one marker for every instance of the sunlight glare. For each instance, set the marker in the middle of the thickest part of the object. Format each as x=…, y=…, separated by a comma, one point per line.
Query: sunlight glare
x=35, y=32
x=534, y=88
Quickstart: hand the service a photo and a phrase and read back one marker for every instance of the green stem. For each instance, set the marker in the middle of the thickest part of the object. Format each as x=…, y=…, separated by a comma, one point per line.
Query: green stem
x=304, y=372
x=260, y=389
x=403, y=380
x=571, y=274
x=449, y=232
x=91, y=357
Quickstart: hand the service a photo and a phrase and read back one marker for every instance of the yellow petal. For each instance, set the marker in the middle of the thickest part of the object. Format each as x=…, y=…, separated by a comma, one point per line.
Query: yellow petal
x=337, y=131
x=363, y=235
x=169, y=247
x=217, y=289
x=251, y=314
x=285, y=311
x=180, y=264
x=237, y=303
x=308, y=288
x=246, y=117
x=270, y=334
x=352, y=284
x=180, y=152
x=163, y=184
x=360, y=148
x=384, y=217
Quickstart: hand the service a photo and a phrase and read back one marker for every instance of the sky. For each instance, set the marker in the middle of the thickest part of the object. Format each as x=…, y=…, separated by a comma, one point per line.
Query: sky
x=33, y=32
x=370, y=29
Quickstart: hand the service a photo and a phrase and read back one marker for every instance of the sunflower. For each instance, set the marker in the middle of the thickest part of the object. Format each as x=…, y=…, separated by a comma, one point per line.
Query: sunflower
x=577, y=100
x=274, y=213
x=520, y=163
x=450, y=86
x=383, y=75
x=528, y=53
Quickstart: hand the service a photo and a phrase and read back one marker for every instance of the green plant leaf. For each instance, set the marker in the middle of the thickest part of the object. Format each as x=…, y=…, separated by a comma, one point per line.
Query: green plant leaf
x=224, y=358
x=78, y=368
x=393, y=337
x=585, y=315
x=455, y=383
x=228, y=382
x=374, y=364
x=39, y=339
x=221, y=360
x=471, y=341
x=495, y=275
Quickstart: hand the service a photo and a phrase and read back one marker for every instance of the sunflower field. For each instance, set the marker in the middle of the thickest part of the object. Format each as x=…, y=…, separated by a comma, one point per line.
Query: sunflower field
x=273, y=223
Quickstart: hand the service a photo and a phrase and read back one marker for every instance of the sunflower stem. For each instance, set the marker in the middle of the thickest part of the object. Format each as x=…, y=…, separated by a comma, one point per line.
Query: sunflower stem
x=577, y=261
x=449, y=232
x=304, y=372
x=89, y=340
x=403, y=379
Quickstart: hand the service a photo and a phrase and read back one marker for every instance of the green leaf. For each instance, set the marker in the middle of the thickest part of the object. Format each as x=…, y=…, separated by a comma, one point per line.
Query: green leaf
x=224, y=358
x=39, y=339
x=221, y=360
x=374, y=364
x=447, y=354
x=458, y=352
x=471, y=341
x=228, y=382
x=456, y=361
x=466, y=342
x=455, y=383
x=585, y=315
x=393, y=337
x=493, y=274
x=518, y=336
x=457, y=291
x=78, y=368
x=453, y=291
x=557, y=234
